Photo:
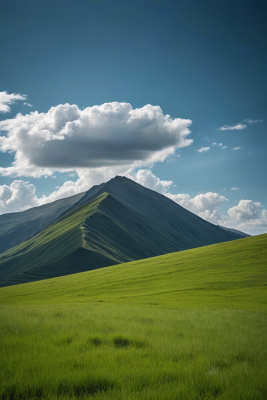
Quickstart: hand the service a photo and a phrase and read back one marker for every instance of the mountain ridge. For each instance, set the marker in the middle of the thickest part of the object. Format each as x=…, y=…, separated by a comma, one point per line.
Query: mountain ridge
x=111, y=223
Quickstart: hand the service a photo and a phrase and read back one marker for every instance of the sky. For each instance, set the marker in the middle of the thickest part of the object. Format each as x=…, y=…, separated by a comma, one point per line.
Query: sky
x=171, y=94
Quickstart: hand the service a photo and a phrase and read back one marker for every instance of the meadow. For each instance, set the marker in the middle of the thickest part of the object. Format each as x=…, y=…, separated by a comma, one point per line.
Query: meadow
x=187, y=325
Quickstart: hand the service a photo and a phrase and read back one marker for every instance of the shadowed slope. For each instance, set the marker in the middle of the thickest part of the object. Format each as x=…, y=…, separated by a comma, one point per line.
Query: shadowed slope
x=20, y=226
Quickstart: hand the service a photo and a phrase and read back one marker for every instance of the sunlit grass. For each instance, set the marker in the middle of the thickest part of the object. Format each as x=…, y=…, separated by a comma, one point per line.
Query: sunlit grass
x=190, y=325
x=130, y=352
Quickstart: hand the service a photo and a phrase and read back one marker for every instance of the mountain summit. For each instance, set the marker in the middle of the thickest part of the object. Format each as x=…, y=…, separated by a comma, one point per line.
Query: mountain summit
x=112, y=223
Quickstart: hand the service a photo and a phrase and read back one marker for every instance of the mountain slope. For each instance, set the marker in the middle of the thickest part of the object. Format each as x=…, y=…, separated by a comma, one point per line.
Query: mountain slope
x=225, y=275
x=235, y=231
x=58, y=250
x=20, y=226
x=155, y=207
x=108, y=231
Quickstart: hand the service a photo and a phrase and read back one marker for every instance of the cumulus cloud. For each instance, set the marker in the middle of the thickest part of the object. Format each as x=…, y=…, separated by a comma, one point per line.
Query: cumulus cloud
x=248, y=217
x=202, y=149
x=205, y=205
x=237, y=127
x=234, y=188
x=236, y=148
x=109, y=135
x=220, y=144
x=224, y=147
x=146, y=178
x=27, y=104
x=19, y=196
x=245, y=210
x=8, y=99
x=214, y=143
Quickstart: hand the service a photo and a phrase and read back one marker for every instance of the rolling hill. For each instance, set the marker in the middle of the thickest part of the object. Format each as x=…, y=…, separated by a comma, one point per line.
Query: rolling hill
x=232, y=274
x=112, y=223
x=187, y=325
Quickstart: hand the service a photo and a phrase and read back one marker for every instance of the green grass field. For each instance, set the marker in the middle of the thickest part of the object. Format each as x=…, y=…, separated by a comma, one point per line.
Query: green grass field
x=187, y=325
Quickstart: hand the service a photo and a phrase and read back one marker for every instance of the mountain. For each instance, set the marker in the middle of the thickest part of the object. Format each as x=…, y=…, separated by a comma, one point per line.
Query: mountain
x=241, y=234
x=111, y=223
x=20, y=226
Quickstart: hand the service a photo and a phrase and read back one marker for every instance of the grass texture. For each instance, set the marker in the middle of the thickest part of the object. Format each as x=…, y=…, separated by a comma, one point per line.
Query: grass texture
x=188, y=325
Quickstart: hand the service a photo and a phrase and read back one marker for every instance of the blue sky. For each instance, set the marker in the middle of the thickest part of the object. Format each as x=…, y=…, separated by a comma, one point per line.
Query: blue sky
x=203, y=62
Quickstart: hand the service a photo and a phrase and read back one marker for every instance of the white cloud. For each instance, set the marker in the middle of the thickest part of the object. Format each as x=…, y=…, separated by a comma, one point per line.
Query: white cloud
x=205, y=205
x=8, y=99
x=107, y=136
x=203, y=149
x=18, y=196
x=27, y=104
x=233, y=127
x=214, y=143
x=245, y=210
x=220, y=144
x=252, y=121
x=247, y=218
x=146, y=178
x=236, y=148
x=224, y=147
x=234, y=188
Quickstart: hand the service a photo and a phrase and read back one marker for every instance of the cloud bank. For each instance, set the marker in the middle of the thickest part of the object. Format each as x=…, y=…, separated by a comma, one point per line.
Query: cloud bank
x=204, y=205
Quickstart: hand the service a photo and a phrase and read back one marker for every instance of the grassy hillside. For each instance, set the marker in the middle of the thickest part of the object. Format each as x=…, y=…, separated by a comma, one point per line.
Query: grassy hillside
x=232, y=274
x=190, y=325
